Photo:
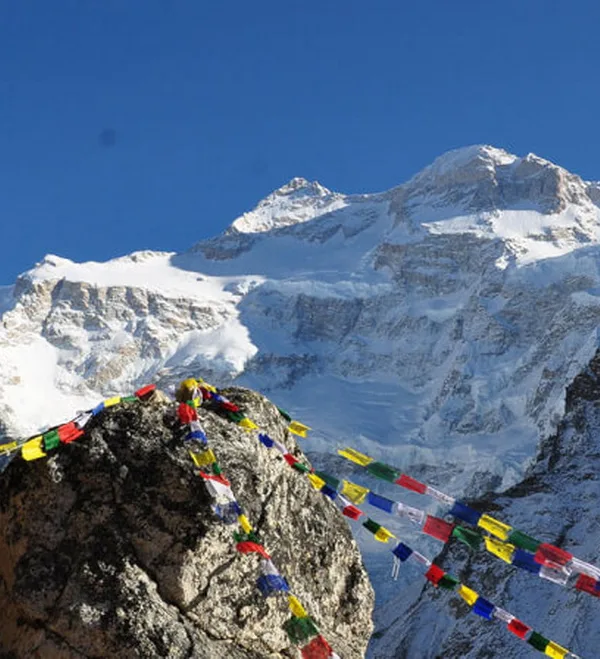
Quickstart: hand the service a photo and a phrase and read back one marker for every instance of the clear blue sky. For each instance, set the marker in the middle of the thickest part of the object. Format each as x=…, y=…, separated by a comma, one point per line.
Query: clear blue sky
x=133, y=124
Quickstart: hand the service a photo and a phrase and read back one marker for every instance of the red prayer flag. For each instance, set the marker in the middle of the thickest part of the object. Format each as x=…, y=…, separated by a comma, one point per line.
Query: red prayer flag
x=248, y=547
x=438, y=528
x=587, y=585
x=518, y=628
x=434, y=574
x=69, y=432
x=186, y=413
x=411, y=484
x=552, y=556
x=352, y=512
x=290, y=459
x=318, y=648
x=145, y=391
x=230, y=407
x=211, y=477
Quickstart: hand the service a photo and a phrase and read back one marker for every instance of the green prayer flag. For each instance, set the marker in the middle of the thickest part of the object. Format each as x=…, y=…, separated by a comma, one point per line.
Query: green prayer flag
x=236, y=417
x=51, y=440
x=371, y=525
x=300, y=630
x=217, y=471
x=383, y=471
x=523, y=541
x=129, y=399
x=284, y=414
x=448, y=582
x=330, y=480
x=467, y=536
x=538, y=641
x=298, y=466
x=246, y=537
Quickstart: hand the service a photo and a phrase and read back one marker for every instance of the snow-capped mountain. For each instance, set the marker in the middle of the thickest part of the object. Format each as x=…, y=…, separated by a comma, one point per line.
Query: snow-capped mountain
x=438, y=322
x=435, y=326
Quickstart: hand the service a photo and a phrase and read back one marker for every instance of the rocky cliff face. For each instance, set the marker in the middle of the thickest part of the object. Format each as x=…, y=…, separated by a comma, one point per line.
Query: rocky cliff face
x=556, y=502
x=110, y=549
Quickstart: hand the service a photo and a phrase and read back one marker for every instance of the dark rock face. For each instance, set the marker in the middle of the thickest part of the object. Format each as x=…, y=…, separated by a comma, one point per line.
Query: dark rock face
x=111, y=549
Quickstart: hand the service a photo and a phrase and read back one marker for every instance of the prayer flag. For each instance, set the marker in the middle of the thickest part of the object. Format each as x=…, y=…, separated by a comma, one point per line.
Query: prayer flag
x=383, y=534
x=467, y=536
x=468, y=595
x=316, y=481
x=500, y=549
x=330, y=480
x=298, y=428
x=448, y=582
x=110, y=402
x=296, y=607
x=518, y=628
x=494, y=526
x=318, y=648
x=300, y=630
x=32, y=450
x=525, y=561
x=383, y=471
x=144, y=392
x=524, y=541
x=464, y=512
x=434, y=574
x=380, y=502
x=402, y=551
x=538, y=641
x=245, y=523
x=556, y=651
x=51, y=440
x=248, y=547
x=203, y=459
x=438, y=528
x=247, y=424
x=411, y=484
x=354, y=456
x=483, y=608
x=552, y=556
x=271, y=584
x=354, y=492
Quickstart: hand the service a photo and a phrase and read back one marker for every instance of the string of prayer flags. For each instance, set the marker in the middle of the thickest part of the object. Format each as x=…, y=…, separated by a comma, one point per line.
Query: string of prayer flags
x=559, y=563
x=301, y=627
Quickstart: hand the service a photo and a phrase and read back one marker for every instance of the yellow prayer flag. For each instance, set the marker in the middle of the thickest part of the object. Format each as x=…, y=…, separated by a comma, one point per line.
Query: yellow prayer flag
x=296, y=608
x=32, y=450
x=354, y=492
x=112, y=401
x=298, y=428
x=247, y=424
x=495, y=527
x=470, y=596
x=354, y=456
x=244, y=523
x=6, y=448
x=317, y=482
x=383, y=535
x=556, y=651
x=207, y=386
x=502, y=550
x=203, y=459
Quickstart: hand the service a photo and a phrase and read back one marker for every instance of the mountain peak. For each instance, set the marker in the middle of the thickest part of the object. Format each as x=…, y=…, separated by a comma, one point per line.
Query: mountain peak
x=292, y=203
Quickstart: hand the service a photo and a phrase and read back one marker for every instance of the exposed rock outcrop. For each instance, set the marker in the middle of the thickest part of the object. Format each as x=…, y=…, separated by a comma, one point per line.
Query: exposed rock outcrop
x=111, y=549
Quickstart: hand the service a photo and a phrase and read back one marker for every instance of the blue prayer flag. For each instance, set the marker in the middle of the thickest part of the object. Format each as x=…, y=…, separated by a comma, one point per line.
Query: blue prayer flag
x=380, y=502
x=402, y=551
x=483, y=608
x=466, y=513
